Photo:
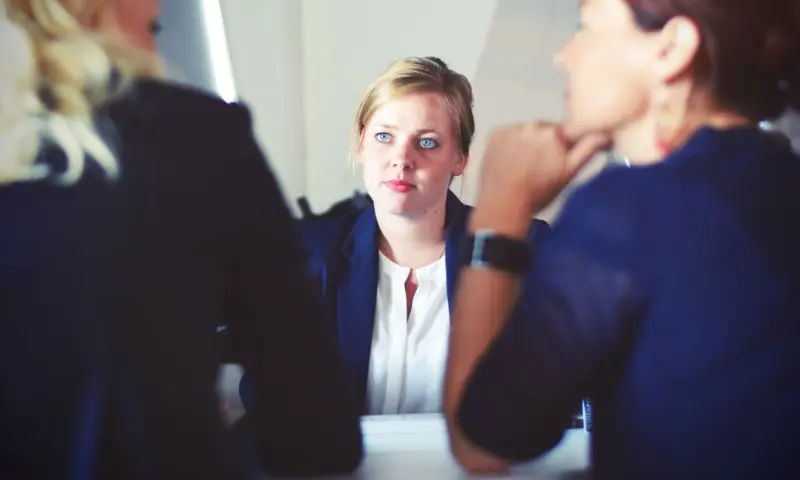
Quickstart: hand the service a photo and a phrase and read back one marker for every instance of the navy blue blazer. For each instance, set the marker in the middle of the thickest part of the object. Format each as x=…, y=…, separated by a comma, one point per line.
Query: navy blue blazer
x=111, y=294
x=343, y=258
x=670, y=295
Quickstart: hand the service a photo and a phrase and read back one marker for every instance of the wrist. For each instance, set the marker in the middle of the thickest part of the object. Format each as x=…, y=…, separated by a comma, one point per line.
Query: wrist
x=504, y=215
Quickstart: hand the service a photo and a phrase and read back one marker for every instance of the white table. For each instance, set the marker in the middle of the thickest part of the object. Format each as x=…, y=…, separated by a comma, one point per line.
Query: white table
x=414, y=447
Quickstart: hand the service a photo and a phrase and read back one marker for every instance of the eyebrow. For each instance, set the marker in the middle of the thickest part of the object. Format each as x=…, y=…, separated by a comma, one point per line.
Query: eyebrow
x=394, y=127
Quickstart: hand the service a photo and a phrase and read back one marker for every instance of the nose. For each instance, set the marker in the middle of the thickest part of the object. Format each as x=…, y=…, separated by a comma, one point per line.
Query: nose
x=403, y=156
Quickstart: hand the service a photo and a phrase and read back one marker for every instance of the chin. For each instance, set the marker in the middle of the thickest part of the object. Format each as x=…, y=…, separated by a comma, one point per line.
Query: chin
x=392, y=204
x=573, y=126
x=574, y=130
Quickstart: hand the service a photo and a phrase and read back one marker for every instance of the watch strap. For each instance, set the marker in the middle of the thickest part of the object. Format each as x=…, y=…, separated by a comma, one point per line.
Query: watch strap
x=487, y=249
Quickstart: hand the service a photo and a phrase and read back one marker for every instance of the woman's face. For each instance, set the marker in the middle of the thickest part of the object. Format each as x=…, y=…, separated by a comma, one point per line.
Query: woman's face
x=409, y=152
x=138, y=22
x=135, y=20
x=608, y=63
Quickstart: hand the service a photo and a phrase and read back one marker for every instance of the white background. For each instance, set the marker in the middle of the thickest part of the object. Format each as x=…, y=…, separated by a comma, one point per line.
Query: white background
x=301, y=66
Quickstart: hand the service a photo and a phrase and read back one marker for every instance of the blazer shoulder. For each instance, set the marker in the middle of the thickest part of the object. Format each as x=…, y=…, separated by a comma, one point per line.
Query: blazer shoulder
x=322, y=236
x=539, y=227
x=176, y=106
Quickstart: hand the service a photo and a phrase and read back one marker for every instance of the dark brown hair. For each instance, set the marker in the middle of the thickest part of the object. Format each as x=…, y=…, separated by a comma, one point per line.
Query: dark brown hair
x=750, y=53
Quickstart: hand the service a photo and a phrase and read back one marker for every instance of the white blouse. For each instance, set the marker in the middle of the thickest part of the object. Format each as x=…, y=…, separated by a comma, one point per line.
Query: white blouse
x=409, y=352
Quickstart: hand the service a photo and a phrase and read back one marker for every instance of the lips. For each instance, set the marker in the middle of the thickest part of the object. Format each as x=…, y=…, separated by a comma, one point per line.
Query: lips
x=399, y=186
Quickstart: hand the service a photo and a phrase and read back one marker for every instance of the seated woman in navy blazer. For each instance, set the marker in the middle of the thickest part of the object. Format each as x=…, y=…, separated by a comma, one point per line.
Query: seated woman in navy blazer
x=388, y=272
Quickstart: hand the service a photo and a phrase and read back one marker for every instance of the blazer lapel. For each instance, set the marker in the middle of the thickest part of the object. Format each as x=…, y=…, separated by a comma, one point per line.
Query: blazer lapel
x=357, y=296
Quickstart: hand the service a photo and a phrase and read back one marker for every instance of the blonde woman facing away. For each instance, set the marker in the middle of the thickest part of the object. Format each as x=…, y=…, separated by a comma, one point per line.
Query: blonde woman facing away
x=137, y=216
x=388, y=272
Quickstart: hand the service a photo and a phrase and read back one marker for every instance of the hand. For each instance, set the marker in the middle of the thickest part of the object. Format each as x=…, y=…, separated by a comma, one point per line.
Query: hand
x=531, y=163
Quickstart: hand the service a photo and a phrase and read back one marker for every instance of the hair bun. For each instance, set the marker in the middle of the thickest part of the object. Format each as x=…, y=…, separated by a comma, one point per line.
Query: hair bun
x=793, y=70
x=793, y=86
x=438, y=61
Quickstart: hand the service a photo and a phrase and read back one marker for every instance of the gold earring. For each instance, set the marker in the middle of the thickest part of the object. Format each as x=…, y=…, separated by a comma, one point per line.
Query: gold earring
x=666, y=126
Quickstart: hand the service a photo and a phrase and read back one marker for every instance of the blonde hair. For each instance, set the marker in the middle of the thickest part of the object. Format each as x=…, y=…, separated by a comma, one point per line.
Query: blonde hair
x=58, y=74
x=418, y=75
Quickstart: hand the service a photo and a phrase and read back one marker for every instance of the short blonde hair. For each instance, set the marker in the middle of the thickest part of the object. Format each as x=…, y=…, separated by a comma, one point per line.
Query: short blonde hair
x=59, y=74
x=418, y=75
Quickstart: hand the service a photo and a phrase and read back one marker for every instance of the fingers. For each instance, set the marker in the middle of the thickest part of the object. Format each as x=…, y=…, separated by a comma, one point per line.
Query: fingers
x=584, y=149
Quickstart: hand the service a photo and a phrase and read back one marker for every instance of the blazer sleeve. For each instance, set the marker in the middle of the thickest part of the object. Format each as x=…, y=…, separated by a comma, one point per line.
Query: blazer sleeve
x=567, y=332
x=306, y=421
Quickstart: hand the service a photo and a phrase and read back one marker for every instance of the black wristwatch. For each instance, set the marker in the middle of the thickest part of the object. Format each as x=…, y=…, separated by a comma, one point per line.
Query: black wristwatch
x=486, y=249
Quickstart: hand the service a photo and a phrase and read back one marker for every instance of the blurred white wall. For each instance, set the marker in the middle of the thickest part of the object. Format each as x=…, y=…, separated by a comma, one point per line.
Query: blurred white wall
x=266, y=53
x=183, y=43
x=301, y=66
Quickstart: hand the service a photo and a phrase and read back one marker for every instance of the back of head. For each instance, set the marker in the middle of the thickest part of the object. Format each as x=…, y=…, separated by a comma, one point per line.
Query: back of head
x=413, y=75
x=793, y=67
x=57, y=74
x=749, y=58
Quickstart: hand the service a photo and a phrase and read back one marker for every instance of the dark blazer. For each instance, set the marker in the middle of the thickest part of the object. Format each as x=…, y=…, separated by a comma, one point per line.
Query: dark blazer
x=669, y=294
x=111, y=294
x=343, y=258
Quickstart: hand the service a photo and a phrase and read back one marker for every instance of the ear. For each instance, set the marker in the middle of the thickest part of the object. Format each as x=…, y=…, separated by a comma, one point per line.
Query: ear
x=678, y=45
x=102, y=17
x=461, y=165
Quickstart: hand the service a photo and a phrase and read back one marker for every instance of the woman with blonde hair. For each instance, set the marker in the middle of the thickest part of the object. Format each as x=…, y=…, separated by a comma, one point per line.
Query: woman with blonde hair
x=388, y=272
x=138, y=216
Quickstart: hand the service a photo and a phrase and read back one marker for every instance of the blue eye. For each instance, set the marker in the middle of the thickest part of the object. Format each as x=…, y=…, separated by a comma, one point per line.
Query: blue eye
x=428, y=143
x=383, y=137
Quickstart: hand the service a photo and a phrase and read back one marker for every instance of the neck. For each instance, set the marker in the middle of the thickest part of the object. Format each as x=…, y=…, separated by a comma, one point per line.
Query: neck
x=637, y=142
x=412, y=242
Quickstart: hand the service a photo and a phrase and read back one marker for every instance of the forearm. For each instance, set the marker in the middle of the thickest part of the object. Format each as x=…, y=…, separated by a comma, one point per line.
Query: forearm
x=484, y=301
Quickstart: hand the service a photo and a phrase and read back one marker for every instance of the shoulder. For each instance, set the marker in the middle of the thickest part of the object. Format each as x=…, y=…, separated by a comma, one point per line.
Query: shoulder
x=179, y=132
x=169, y=97
x=459, y=219
x=607, y=196
x=323, y=236
x=178, y=108
x=600, y=219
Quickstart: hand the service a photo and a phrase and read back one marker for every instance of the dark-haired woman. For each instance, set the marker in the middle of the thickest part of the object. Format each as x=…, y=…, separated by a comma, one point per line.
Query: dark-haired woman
x=669, y=292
